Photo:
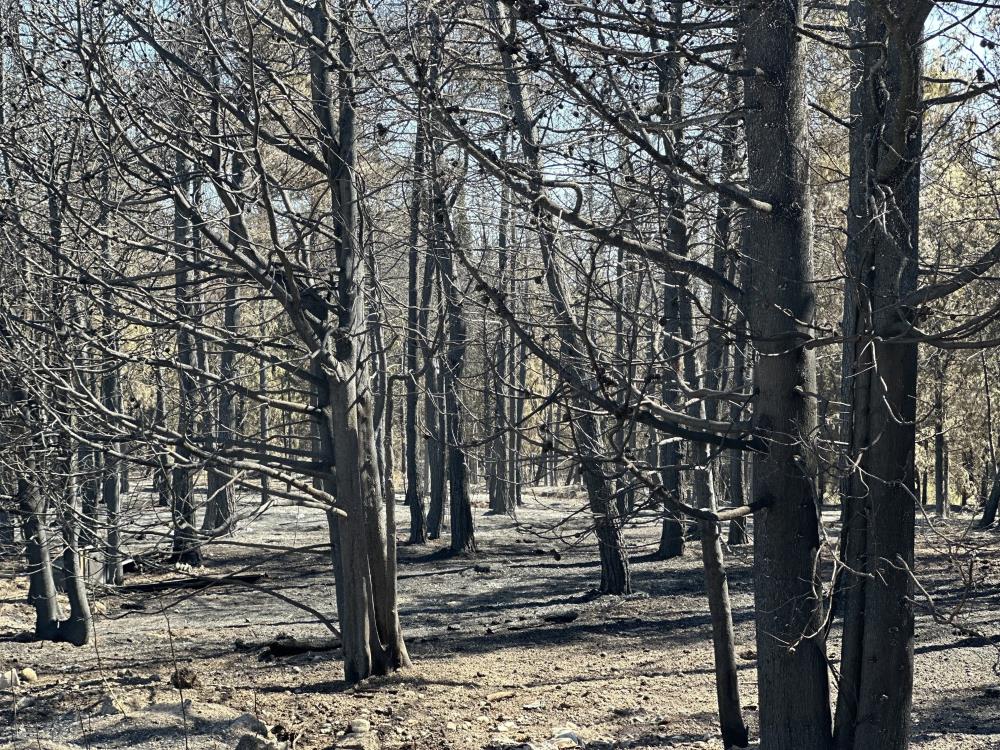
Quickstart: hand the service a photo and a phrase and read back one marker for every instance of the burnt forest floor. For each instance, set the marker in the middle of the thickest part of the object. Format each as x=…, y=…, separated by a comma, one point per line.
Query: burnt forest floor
x=508, y=647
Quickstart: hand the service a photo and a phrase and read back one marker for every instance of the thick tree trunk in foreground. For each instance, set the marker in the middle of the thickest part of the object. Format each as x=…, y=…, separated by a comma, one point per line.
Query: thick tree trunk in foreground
x=366, y=535
x=992, y=504
x=791, y=657
x=874, y=703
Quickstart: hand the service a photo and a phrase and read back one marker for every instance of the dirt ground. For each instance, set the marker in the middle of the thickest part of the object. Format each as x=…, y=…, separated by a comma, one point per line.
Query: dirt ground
x=490, y=671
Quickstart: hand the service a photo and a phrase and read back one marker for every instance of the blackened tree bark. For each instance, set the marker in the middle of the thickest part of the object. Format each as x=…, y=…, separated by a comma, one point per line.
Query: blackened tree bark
x=737, y=461
x=369, y=618
x=992, y=503
x=876, y=685
x=443, y=234
x=792, y=665
x=503, y=495
x=111, y=466
x=221, y=509
x=669, y=74
x=414, y=491
x=185, y=548
x=41, y=584
x=434, y=413
x=78, y=627
x=586, y=431
x=942, y=504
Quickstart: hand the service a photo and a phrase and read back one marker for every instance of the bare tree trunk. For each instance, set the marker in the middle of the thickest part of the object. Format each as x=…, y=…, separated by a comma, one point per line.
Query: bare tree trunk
x=415, y=332
x=737, y=462
x=791, y=655
x=263, y=418
x=615, y=577
x=503, y=496
x=42, y=587
x=185, y=538
x=874, y=703
x=78, y=628
x=434, y=414
x=942, y=504
x=463, y=538
x=369, y=618
x=221, y=509
x=162, y=473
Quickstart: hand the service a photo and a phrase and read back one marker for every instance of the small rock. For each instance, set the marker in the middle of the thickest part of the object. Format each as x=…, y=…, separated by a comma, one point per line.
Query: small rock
x=9, y=679
x=483, y=568
x=367, y=741
x=451, y=726
x=29, y=675
x=26, y=702
x=249, y=723
x=256, y=742
x=500, y=695
x=536, y=706
x=562, y=617
x=360, y=726
x=183, y=678
x=121, y=704
x=748, y=654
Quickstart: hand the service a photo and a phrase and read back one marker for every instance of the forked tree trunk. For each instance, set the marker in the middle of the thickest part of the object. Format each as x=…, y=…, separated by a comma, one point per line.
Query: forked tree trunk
x=369, y=618
x=41, y=583
x=463, y=538
x=874, y=703
x=78, y=628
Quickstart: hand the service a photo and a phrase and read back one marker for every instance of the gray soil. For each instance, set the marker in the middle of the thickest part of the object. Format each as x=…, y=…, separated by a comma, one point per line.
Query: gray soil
x=490, y=671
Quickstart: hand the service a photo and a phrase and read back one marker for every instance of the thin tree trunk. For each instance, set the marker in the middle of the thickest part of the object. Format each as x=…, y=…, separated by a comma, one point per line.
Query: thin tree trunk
x=185, y=547
x=586, y=431
x=463, y=538
x=942, y=504
x=433, y=414
x=221, y=510
x=415, y=333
